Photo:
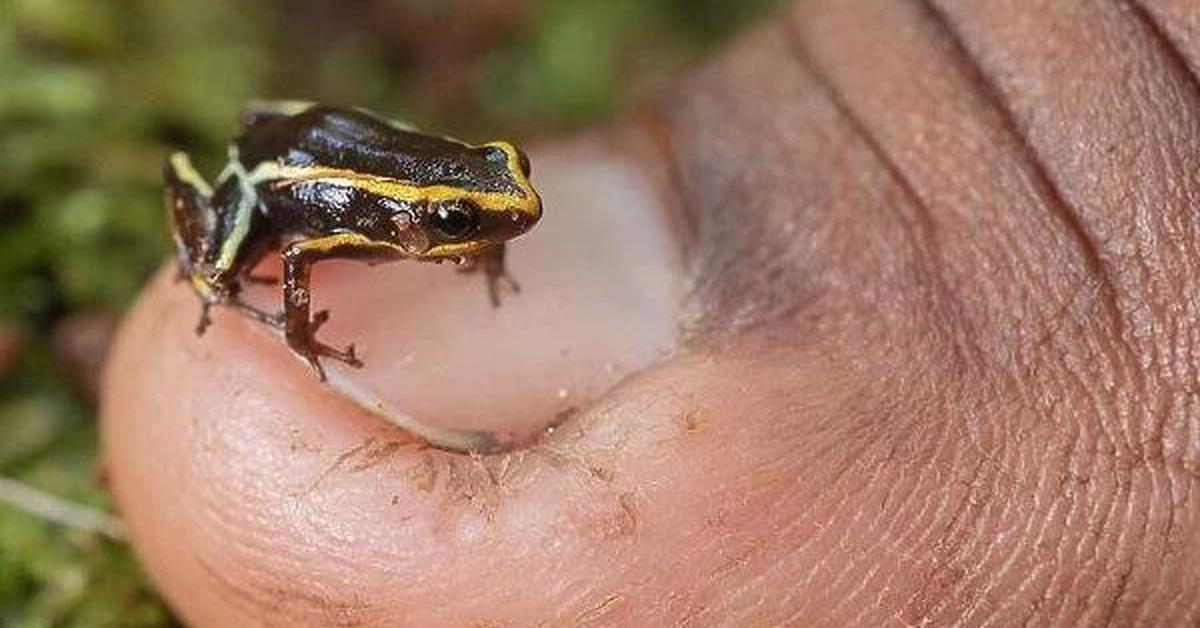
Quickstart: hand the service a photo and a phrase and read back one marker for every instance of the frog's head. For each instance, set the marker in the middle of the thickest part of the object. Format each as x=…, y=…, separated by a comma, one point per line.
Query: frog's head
x=491, y=202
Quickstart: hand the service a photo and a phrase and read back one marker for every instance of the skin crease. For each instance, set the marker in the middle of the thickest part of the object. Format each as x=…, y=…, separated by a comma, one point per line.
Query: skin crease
x=938, y=362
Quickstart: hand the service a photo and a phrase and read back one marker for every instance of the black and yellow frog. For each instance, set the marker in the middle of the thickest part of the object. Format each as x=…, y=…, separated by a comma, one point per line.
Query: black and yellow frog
x=319, y=182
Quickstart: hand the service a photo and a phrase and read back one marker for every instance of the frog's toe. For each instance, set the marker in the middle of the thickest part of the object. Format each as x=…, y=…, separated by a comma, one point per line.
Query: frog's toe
x=205, y=319
x=501, y=284
x=510, y=284
x=348, y=356
x=318, y=320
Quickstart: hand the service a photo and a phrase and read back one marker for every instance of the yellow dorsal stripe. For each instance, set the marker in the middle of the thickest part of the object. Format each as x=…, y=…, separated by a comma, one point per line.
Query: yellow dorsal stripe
x=396, y=188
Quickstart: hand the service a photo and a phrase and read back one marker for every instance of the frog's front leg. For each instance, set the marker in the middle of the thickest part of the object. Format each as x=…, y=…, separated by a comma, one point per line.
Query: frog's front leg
x=491, y=263
x=300, y=327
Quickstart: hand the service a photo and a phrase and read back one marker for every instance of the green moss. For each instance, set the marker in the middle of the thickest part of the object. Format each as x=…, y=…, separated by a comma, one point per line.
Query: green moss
x=96, y=92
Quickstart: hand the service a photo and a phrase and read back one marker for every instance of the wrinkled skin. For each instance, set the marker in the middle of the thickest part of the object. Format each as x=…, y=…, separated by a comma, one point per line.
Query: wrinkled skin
x=941, y=345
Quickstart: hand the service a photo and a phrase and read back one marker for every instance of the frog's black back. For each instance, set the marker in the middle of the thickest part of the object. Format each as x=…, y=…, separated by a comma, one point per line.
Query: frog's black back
x=357, y=141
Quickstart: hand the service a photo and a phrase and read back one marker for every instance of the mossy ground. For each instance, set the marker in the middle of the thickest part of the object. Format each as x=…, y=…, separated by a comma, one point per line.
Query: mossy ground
x=93, y=95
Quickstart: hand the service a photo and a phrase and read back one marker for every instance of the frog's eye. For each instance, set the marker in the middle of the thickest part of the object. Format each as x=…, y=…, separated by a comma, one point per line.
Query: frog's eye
x=455, y=220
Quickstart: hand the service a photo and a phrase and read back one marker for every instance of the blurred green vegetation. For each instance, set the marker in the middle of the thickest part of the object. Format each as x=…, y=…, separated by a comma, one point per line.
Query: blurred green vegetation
x=94, y=93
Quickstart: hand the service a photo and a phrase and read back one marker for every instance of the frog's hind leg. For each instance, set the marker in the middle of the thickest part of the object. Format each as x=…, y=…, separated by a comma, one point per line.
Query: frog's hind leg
x=188, y=198
x=495, y=272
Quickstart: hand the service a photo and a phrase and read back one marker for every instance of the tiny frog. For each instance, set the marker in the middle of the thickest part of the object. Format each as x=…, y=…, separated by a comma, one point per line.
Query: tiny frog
x=318, y=182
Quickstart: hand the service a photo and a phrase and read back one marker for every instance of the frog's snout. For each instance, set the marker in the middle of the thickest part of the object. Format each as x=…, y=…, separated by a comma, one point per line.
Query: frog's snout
x=525, y=217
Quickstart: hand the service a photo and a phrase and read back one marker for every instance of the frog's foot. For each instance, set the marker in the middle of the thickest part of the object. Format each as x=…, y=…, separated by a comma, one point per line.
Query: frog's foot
x=491, y=264
x=346, y=355
x=312, y=350
x=498, y=281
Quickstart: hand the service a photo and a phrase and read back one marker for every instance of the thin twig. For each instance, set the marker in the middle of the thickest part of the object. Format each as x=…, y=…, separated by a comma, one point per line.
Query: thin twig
x=56, y=509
